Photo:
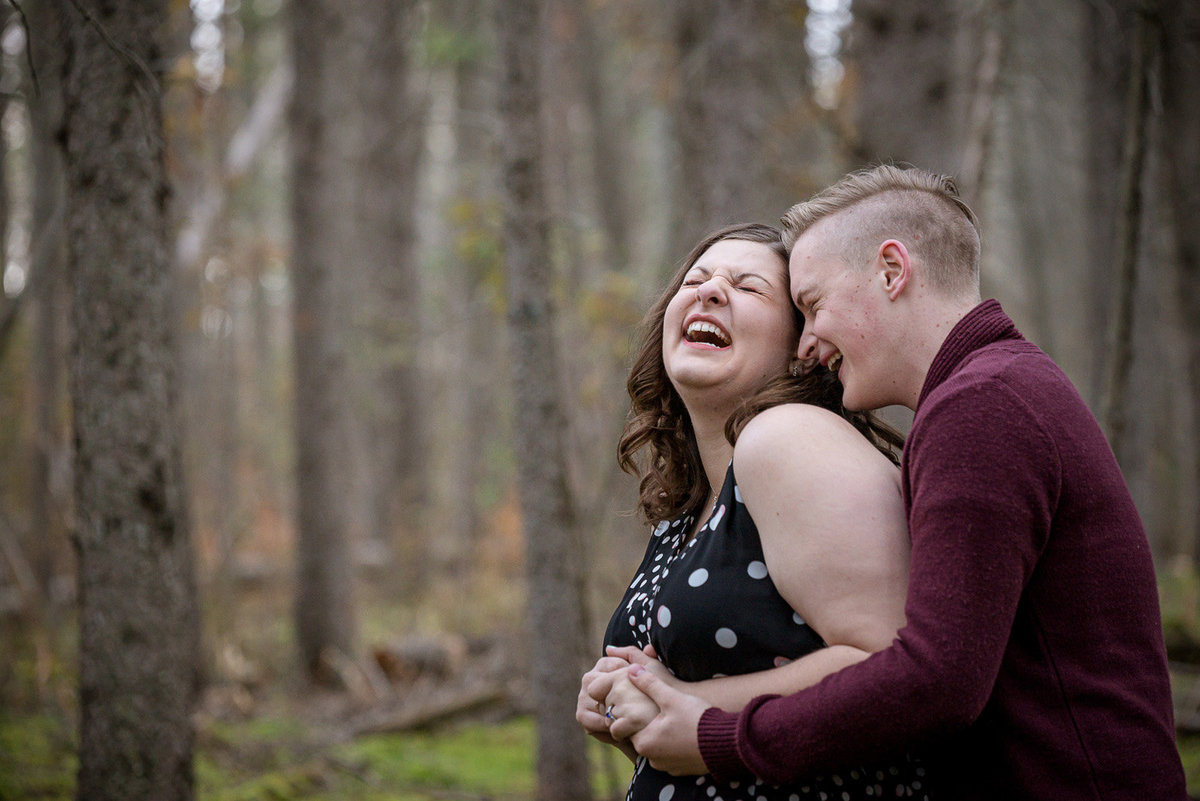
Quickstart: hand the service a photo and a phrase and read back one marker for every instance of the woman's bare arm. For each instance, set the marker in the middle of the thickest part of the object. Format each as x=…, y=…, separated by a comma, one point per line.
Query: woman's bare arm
x=830, y=516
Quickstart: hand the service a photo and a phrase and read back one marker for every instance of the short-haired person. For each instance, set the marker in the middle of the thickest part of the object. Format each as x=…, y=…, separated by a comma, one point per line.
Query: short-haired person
x=1032, y=663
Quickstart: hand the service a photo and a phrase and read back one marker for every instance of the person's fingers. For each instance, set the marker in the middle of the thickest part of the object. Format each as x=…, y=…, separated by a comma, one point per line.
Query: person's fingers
x=590, y=714
x=601, y=685
x=626, y=653
x=623, y=728
x=635, y=656
x=648, y=683
x=591, y=720
x=607, y=664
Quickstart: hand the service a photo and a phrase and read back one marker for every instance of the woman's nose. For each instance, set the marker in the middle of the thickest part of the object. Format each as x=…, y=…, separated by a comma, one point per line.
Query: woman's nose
x=712, y=291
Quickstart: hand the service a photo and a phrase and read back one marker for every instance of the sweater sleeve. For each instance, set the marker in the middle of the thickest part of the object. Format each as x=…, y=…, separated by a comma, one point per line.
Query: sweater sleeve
x=984, y=479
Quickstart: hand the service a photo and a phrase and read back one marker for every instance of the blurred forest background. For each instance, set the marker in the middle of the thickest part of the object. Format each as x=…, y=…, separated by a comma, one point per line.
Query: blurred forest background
x=316, y=316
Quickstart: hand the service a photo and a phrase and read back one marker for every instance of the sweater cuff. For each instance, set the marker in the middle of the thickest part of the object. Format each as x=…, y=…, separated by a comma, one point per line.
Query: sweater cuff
x=717, y=735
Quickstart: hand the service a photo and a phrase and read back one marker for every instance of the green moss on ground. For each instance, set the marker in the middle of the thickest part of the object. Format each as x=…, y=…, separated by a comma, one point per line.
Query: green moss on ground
x=37, y=758
x=278, y=759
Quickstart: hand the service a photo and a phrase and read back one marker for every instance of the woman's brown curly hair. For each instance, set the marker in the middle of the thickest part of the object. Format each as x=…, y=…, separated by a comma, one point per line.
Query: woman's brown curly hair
x=673, y=481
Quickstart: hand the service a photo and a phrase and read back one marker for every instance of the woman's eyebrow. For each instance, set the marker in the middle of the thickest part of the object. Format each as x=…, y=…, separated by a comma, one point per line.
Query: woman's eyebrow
x=739, y=278
x=734, y=277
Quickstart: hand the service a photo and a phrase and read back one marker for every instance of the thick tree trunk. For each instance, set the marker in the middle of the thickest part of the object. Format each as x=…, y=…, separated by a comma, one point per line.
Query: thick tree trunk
x=553, y=570
x=717, y=125
x=325, y=620
x=608, y=138
x=472, y=347
x=1106, y=82
x=742, y=114
x=138, y=614
x=917, y=118
x=1119, y=349
x=1180, y=23
x=386, y=165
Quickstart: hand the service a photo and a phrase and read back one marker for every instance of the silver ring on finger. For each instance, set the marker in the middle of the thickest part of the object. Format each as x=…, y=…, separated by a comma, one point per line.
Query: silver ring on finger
x=608, y=714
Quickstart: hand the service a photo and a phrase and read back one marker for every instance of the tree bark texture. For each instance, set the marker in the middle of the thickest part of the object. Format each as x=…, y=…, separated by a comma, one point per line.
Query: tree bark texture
x=993, y=33
x=474, y=355
x=1119, y=351
x=734, y=112
x=608, y=137
x=324, y=609
x=138, y=615
x=917, y=119
x=553, y=569
x=1180, y=25
x=1107, y=82
x=391, y=114
x=1034, y=233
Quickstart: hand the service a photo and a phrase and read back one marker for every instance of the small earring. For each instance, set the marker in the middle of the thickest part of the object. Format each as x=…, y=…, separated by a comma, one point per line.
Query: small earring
x=795, y=369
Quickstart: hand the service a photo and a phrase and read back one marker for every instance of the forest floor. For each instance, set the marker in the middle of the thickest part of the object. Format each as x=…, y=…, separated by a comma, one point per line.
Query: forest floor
x=436, y=710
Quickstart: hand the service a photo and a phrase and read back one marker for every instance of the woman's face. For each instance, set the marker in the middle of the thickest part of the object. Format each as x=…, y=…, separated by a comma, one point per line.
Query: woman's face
x=730, y=327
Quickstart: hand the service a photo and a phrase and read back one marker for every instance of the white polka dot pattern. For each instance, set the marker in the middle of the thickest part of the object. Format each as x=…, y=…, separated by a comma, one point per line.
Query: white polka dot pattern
x=707, y=604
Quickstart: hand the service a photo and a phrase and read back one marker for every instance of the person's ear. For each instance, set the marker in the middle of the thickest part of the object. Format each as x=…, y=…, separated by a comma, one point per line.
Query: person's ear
x=895, y=266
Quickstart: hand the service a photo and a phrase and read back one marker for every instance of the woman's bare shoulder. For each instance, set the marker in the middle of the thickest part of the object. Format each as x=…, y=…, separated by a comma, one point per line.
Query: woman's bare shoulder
x=796, y=443
x=803, y=426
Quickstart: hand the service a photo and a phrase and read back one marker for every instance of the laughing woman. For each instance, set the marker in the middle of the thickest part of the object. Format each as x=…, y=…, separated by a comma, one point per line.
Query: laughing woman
x=768, y=581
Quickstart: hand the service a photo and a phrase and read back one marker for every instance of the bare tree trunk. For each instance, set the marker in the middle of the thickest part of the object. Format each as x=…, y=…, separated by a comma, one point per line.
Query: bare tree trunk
x=1035, y=251
x=1128, y=236
x=553, y=571
x=138, y=612
x=911, y=95
x=473, y=353
x=387, y=161
x=607, y=137
x=741, y=109
x=1180, y=23
x=325, y=622
x=993, y=33
x=1107, y=70
x=719, y=121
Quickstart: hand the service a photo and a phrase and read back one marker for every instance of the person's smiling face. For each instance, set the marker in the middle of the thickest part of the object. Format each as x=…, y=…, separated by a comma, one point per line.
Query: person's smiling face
x=731, y=326
x=838, y=302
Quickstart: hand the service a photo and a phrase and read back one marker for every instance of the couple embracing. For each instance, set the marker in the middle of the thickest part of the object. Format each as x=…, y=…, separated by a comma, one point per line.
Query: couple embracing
x=816, y=618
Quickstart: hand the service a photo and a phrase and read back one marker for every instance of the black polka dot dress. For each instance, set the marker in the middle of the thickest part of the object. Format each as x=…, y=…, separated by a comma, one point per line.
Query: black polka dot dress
x=709, y=608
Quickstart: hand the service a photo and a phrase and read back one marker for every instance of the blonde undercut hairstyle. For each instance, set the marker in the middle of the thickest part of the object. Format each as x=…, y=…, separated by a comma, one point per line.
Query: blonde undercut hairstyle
x=919, y=208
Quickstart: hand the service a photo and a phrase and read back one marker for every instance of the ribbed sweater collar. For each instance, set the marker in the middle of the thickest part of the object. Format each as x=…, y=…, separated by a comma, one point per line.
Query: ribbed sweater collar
x=984, y=324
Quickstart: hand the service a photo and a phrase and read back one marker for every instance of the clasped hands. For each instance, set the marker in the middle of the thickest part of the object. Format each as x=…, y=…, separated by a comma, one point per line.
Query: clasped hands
x=630, y=700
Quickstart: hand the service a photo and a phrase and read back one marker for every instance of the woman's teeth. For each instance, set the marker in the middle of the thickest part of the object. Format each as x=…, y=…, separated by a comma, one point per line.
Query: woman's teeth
x=708, y=333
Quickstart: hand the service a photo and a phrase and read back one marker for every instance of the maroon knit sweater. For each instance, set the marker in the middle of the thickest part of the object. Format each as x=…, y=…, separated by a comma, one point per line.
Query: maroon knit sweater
x=1032, y=664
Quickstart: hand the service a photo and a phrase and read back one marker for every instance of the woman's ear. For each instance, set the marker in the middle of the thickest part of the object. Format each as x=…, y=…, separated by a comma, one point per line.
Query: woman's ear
x=895, y=267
